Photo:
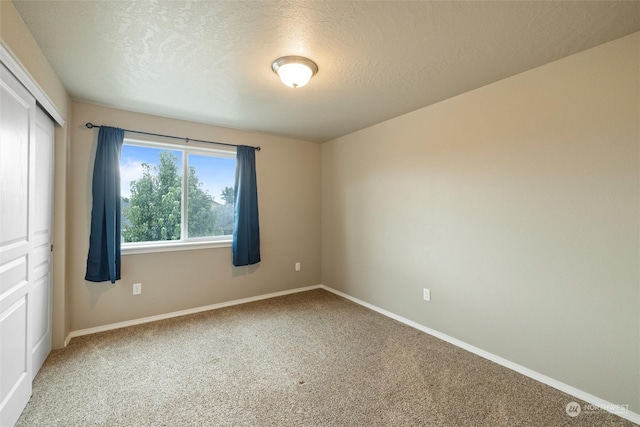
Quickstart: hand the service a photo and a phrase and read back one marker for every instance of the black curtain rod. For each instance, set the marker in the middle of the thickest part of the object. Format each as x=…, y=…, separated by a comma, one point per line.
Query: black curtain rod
x=91, y=125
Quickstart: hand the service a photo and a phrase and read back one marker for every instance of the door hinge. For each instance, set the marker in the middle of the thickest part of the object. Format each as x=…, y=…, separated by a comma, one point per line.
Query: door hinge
x=51, y=248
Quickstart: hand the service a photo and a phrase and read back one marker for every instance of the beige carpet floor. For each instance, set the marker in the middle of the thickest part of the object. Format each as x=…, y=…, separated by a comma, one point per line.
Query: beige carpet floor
x=307, y=359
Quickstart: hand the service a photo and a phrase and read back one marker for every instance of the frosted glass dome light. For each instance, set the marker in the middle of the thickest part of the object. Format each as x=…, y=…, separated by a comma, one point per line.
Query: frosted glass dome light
x=294, y=71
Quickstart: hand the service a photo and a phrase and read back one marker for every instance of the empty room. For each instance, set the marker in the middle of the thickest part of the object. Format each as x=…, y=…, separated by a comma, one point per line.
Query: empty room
x=319, y=213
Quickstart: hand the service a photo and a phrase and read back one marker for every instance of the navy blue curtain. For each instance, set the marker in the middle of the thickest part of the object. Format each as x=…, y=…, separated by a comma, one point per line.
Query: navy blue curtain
x=246, y=232
x=103, y=261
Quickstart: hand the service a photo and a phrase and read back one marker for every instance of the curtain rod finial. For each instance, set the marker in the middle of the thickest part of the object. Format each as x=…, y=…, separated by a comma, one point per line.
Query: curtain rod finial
x=89, y=125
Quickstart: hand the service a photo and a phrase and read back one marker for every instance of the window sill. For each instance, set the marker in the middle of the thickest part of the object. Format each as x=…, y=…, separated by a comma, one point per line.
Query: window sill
x=132, y=249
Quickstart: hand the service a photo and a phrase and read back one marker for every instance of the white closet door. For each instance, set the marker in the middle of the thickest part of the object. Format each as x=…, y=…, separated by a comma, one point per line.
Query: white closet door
x=18, y=258
x=40, y=296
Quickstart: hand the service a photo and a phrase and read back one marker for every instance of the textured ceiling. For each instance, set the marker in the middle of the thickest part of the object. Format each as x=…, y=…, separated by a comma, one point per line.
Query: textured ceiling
x=210, y=61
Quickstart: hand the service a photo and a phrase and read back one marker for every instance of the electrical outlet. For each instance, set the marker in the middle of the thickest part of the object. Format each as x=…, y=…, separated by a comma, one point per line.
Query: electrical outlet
x=137, y=288
x=297, y=266
x=426, y=294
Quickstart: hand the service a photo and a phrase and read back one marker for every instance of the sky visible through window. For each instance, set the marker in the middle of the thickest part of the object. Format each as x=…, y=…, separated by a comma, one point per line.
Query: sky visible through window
x=215, y=173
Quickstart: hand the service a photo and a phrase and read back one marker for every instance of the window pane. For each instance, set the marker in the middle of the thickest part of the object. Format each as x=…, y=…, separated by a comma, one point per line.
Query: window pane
x=151, y=185
x=210, y=197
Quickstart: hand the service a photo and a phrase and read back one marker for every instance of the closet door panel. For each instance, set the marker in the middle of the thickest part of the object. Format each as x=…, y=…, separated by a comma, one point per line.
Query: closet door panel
x=40, y=299
x=17, y=125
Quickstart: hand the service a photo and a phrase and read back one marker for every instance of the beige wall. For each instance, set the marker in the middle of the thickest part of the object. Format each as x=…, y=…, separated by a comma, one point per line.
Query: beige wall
x=517, y=204
x=289, y=205
x=15, y=36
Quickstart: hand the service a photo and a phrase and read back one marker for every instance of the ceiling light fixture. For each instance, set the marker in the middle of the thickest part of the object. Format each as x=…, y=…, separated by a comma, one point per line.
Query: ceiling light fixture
x=294, y=71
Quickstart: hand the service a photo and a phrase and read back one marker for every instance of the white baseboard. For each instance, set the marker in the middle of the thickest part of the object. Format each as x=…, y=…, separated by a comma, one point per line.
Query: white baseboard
x=579, y=394
x=133, y=322
x=582, y=395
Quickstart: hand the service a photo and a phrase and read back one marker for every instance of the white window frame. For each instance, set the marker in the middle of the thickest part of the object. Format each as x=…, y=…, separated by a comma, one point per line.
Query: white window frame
x=188, y=243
